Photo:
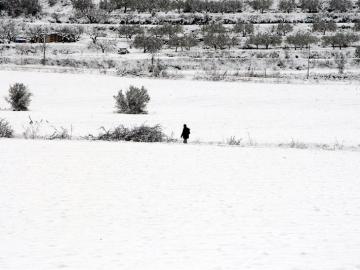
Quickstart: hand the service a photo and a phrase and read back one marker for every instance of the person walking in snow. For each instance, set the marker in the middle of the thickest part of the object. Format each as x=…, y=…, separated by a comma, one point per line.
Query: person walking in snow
x=185, y=133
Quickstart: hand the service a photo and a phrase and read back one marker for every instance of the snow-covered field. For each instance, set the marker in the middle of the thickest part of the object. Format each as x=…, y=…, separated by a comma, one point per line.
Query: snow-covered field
x=86, y=205
x=215, y=111
x=96, y=205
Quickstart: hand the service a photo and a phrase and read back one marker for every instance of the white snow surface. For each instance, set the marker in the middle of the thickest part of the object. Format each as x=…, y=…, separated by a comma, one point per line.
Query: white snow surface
x=215, y=111
x=84, y=205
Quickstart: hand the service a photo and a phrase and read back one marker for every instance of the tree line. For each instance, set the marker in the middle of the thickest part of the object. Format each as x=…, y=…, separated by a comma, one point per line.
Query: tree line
x=224, y=6
x=216, y=35
x=219, y=37
x=87, y=7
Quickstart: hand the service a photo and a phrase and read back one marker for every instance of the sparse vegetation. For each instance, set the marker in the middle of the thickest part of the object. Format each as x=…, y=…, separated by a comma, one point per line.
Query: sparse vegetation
x=141, y=133
x=234, y=141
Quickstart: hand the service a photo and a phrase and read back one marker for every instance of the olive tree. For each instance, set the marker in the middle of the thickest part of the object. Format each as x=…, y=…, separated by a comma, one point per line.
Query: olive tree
x=340, y=40
x=301, y=40
x=261, y=5
x=311, y=6
x=149, y=44
x=264, y=39
x=287, y=5
x=340, y=5
x=243, y=28
x=322, y=25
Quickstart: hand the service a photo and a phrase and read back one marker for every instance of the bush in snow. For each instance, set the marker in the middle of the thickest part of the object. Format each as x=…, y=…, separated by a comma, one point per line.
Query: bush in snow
x=137, y=134
x=134, y=100
x=233, y=141
x=357, y=55
x=5, y=129
x=19, y=97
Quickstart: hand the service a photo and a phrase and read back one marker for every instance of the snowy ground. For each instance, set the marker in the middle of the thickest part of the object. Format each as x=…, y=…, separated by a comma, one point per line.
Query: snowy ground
x=83, y=205
x=95, y=205
x=215, y=111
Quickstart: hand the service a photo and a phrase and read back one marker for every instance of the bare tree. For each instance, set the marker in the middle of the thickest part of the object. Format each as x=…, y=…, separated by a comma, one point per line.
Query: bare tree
x=104, y=45
x=94, y=33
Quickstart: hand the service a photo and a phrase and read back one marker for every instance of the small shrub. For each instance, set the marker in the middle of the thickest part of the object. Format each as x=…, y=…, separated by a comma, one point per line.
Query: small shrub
x=137, y=134
x=234, y=141
x=297, y=144
x=33, y=129
x=19, y=97
x=134, y=100
x=60, y=134
x=5, y=129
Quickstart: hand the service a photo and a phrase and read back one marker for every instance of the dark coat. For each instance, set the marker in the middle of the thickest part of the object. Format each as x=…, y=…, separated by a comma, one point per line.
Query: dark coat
x=185, y=133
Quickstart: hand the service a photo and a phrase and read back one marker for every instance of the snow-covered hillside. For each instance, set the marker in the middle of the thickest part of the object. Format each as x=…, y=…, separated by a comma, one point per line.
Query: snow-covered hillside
x=94, y=205
x=215, y=111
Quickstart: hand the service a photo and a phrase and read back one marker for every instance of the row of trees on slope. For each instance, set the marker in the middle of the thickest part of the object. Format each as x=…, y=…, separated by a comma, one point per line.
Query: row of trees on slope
x=219, y=6
x=215, y=36
x=90, y=9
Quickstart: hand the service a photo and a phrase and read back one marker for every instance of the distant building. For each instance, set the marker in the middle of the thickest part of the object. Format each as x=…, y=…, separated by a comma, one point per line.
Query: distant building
x=51, y=38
